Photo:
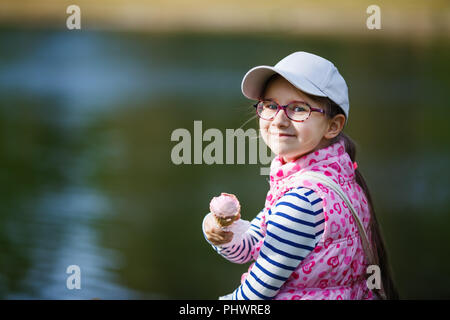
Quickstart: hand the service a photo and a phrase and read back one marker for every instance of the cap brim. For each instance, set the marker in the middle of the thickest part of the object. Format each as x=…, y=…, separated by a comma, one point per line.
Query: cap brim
x=255, y=79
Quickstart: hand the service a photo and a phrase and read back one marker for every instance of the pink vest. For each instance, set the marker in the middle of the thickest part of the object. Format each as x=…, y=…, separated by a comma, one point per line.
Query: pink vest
x=336, y=268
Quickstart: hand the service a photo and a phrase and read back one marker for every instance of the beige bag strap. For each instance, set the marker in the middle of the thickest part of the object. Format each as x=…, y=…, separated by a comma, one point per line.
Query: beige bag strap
x=364, y=239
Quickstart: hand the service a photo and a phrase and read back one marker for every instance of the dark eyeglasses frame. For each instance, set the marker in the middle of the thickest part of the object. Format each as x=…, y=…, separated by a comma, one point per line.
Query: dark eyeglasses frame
x=284, y=109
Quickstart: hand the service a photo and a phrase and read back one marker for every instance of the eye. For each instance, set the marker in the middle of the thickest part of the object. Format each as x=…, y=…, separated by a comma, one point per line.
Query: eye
x=269, y=105
x=298, y=107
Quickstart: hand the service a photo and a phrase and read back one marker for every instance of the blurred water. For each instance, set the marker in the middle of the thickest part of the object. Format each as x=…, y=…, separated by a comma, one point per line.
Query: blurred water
x=86, y=175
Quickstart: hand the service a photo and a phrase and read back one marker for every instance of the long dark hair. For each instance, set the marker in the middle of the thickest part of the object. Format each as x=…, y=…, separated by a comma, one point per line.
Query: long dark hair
x=379, y=249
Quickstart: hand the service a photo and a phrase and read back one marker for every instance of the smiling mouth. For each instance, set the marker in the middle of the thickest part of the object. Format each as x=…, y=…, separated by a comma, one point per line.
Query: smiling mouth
x=282, y=135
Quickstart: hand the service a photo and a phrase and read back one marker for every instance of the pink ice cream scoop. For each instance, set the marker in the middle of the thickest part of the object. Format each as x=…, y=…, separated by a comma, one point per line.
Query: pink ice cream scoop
x=225, y=209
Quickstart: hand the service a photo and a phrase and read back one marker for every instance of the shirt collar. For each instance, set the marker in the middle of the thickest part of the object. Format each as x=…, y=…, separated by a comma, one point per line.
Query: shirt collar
x=279, y=169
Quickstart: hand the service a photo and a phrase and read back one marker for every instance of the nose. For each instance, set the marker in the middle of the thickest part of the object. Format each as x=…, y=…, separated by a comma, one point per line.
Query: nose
x=281, y=120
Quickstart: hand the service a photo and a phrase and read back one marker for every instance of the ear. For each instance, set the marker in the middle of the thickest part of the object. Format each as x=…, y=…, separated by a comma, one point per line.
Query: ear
x=335, y=126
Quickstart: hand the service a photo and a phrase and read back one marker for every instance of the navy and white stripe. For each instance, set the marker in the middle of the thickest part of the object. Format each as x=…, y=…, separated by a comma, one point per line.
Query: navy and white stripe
x=294, y=227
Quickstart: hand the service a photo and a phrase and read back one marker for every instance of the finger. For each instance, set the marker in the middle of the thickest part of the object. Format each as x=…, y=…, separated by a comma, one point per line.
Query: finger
x=219, y=243
x=226, y=234
x=226, y=238
x=222, y=233
x=219, y=240
x=219, y=235
x=215, y=238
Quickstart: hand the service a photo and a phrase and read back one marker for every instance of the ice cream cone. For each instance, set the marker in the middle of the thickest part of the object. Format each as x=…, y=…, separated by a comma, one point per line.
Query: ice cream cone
x=225, y=209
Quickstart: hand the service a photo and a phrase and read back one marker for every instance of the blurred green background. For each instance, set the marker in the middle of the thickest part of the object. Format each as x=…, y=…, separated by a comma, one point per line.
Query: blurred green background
x=86, y=118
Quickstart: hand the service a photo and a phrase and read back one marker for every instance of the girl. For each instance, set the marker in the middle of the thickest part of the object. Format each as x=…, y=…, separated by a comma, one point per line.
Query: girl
x=305, y=242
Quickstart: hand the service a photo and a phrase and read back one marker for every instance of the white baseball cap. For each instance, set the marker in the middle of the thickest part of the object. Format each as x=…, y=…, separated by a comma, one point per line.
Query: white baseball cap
x=305, y=71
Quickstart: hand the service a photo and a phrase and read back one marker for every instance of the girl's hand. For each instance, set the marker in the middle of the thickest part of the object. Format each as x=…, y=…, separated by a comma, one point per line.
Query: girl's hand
x=214, y=233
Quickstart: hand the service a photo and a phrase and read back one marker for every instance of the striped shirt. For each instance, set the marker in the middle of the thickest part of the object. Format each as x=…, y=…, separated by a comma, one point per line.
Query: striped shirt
x=294, y=226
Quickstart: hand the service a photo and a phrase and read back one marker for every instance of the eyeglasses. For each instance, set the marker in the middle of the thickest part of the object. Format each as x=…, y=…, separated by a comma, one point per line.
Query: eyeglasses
x=297, y=111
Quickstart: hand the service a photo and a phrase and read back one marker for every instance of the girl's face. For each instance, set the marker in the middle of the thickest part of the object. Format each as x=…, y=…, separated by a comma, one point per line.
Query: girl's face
x=287, y=138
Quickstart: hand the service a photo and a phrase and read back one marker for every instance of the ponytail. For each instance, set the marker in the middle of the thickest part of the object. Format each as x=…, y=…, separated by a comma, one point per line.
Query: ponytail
x=377, y=241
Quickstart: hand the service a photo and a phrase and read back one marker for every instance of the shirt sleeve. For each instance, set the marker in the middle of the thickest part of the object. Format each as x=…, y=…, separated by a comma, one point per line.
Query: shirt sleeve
x=295, y=225
x=240, y=251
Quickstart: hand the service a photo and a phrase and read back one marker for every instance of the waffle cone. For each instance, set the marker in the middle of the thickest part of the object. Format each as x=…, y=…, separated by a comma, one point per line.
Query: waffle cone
x=225, y=222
